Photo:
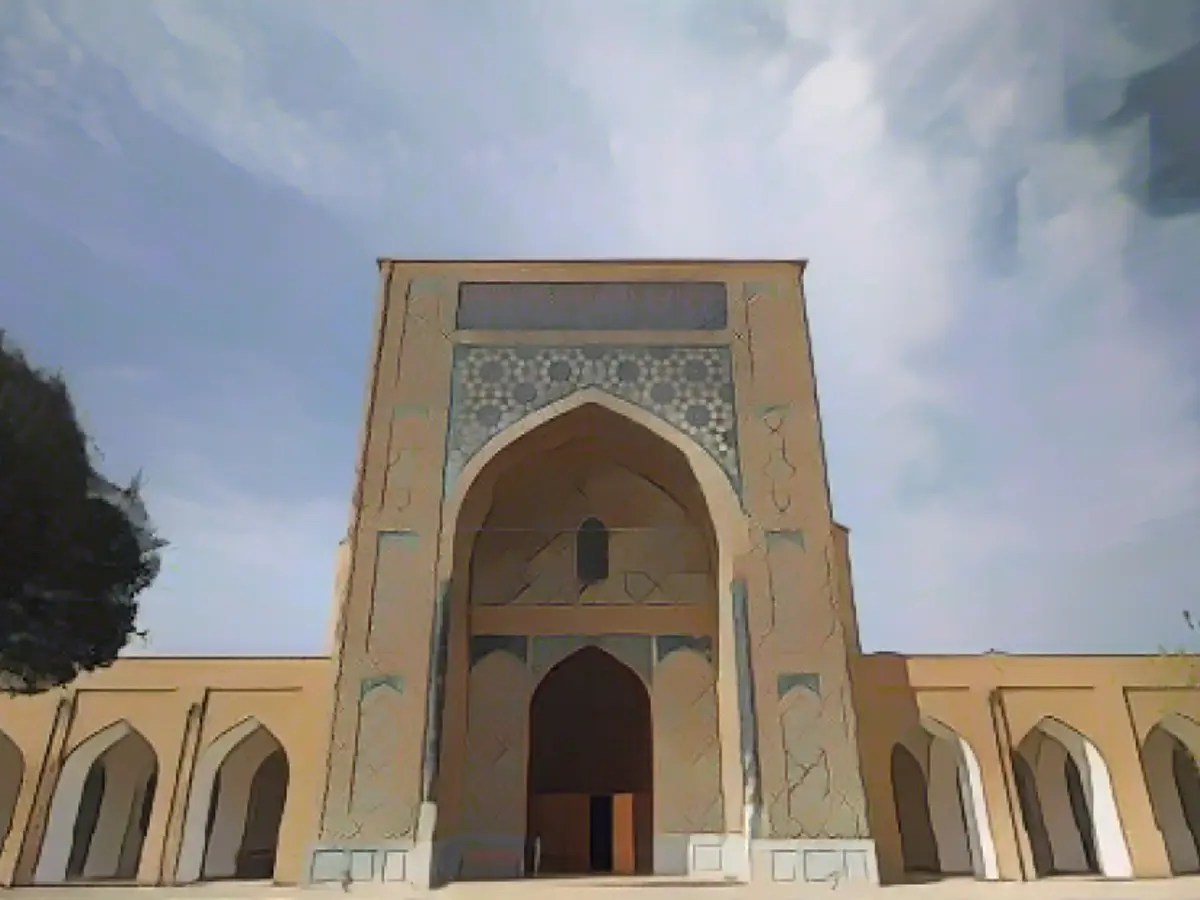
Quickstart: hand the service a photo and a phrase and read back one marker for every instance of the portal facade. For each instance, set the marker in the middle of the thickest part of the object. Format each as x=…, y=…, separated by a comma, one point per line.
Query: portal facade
x=574, y=467
x=594, y=616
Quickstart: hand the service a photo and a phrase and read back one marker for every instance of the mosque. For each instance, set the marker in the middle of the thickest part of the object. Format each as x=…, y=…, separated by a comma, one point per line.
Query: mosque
x=594, y=615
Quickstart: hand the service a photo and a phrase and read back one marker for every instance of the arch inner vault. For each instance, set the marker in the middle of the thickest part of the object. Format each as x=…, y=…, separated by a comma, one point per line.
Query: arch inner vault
x=588, y=541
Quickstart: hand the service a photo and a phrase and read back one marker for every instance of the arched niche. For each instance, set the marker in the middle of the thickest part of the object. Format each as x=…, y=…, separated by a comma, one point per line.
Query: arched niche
x=1068, y=804
x=235, y=807
x=634, y=446
x=470, y=496
x=1173, y=782
x=101, y=809
x=940, y=805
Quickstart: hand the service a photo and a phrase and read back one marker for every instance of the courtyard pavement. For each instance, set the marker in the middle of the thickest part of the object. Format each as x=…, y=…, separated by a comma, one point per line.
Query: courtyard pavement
x=654, y=889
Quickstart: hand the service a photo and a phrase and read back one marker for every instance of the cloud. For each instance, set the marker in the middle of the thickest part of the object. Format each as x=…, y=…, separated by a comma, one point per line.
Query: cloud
x=1009, y=404
x=1068, y=419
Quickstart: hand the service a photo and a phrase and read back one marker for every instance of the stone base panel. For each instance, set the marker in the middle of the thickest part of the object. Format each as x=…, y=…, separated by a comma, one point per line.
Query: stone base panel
x=829, y=860
x=390, y=863
x=704, y=857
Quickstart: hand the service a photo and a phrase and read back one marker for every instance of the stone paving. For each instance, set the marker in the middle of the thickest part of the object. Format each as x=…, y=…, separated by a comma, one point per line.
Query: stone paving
x=657, y=889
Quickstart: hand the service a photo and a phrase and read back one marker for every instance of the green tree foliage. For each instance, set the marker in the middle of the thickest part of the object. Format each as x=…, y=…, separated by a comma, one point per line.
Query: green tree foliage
x=75, y=549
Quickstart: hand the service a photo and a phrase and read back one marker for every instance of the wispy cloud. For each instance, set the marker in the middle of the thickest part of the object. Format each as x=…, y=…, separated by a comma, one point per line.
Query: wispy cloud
x=1000, y=325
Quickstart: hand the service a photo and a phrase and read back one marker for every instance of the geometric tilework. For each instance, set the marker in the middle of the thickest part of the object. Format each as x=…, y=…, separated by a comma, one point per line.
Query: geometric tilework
x=689, y=387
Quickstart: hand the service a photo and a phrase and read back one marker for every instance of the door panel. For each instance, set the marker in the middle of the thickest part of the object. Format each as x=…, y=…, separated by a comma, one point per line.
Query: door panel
x=561, y=822
x=624, y=847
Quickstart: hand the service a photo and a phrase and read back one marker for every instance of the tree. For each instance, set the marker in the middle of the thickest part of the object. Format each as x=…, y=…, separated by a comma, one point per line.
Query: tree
x=1186, y=656
x=75, y=549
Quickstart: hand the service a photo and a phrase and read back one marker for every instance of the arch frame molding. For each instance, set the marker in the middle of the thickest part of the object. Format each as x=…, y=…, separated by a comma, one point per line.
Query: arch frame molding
x=195, y=841
x=726, y=854
x=57, y=845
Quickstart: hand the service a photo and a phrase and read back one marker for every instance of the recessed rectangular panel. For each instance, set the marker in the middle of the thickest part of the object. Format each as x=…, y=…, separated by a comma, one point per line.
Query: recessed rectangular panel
x=395, y=864
x=783, y=865
x=593, y=306
x=328, y=865
x=858, y=865
x=706, y=858
x=362, y=865
x=823, y=865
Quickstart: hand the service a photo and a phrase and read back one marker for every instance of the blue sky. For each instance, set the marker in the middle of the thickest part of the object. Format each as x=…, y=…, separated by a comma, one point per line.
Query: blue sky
x=1002, y=284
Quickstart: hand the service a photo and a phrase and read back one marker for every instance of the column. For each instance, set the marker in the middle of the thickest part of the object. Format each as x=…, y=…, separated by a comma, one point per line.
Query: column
x=732, y=706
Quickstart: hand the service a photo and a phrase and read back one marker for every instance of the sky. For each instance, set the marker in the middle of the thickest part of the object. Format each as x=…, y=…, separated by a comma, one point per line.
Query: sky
x=996, y=198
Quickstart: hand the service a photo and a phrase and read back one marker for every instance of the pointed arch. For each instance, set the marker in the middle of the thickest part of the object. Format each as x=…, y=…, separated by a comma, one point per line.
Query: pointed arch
x=1184, y=728
x=12, y=776
x=222, y=811
x=623, y=654
x=590, y=738
x=121, y=768
x=710, y=499
x=1169, y=765
x=724, y=507
x=591, y=551
x=1069, y=788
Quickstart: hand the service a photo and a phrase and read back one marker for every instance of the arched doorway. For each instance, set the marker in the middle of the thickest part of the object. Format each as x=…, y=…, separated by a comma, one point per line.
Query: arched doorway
x=101, y=809
x=587, y=509
x=940, y=807
x=591, y=770
x=239, y=790
x=1173, y=782
x=1066, y=797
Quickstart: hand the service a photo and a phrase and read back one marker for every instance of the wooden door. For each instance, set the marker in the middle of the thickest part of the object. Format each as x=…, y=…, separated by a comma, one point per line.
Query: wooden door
x=561, y=822
x=624, y=829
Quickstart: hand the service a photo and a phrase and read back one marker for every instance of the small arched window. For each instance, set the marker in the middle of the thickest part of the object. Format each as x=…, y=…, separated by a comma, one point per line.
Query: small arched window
x=591, y=551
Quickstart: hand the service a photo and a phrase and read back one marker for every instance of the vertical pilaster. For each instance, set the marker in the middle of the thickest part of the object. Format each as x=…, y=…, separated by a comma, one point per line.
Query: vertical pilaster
x=736, y=853
x=177, y=796
x=729, y=717
x=814, y=802
x=47, y=781
x=751, y=776
x=377, y=809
